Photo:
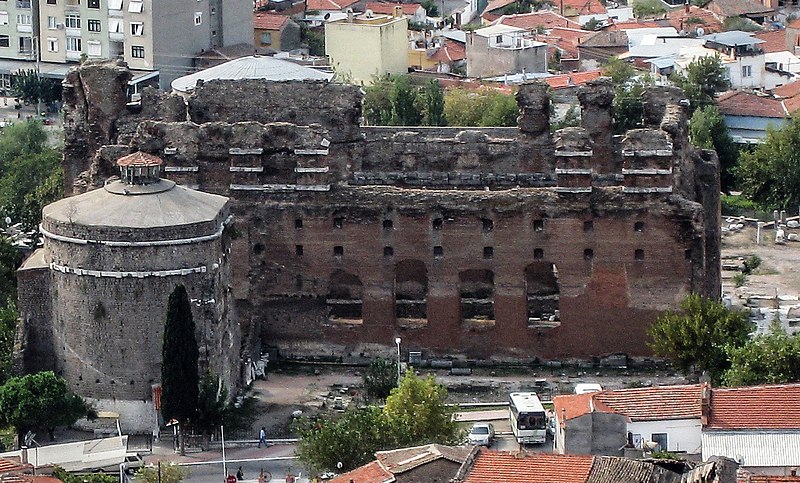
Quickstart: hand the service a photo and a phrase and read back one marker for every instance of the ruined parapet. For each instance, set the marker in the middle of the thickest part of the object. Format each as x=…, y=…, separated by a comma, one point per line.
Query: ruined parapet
x=647, y=164
x=574, y=150
x=334, y=106
x=655, y=101
x=597, y=98
x=534, y=109
x=95, y=95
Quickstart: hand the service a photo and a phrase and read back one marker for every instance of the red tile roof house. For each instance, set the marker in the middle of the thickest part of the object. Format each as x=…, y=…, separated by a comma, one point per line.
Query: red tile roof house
x=605, y=422
x=758, y=426
x=414, y=11
x=748, y=115
x=432, y=463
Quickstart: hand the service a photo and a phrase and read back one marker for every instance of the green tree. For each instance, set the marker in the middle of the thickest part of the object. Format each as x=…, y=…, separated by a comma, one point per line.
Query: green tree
x=464, y=107
x=380, y=378
x=313, y=39
x=619, y=70
x=698, y=337
x=430, y=7
x=501, y=110
x=417, y=412
x=62, y=475
x=212, y=404
x=708, y=130
x=179, y=368
x=703, y=79
x=377, y=103
x=8, y=330
x=772, y=358
x=648, y=8
x=39, y=401
x=627, y=108
x=33, y=88
x=351, y=440
x=433, y=110
x=162, y=474
x=404, y=100
x=770, y=174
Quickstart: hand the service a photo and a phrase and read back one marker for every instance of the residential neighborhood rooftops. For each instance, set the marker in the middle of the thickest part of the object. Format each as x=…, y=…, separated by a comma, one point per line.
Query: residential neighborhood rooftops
x=450, y=51
x=370, y=473
x=639, y=404
x=570, y=8
x=690, y=18
x=542, y=18
x=498, y=29
x=774, y=40
x=733, y=38
x=756, y=407
x=404, y=459
x=329, y=4
x=387, y=8
x=524, y=467
x=741, y=103
x=737, y=8
x=269, y=21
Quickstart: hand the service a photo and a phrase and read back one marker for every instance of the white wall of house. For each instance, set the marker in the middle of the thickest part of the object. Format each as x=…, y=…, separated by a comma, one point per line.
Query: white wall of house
x=682, y=434
x=746, y=71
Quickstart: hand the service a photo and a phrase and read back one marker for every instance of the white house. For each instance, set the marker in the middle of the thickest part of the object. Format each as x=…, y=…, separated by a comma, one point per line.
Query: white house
x=603, y=422
x=758, y=426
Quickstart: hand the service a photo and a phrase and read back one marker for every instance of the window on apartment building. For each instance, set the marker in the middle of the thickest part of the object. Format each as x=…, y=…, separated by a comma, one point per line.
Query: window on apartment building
x=23, y=19
x=499, y=39
x=137, y=29
x=3, y=18
x=73, y=44
x=660, y=439
x=198, y=18
x=115, y=4
x=72, y=21
x=93, y=49
x=135, y=6
x=25, y=45
x=51, y=2
x=93, y=3
x=213, y=11
x=52, y=44
x=115, y=26
x=52, y=22
x=137, y=51
x=266, y=38
x=747, y=71
x=5, y=41
x=93, y=25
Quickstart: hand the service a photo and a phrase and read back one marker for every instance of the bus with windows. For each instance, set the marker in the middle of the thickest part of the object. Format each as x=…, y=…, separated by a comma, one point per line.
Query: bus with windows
x=528, y=418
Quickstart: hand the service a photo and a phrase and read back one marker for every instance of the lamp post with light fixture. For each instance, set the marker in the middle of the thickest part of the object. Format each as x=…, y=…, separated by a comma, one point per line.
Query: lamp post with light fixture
x=397, y=342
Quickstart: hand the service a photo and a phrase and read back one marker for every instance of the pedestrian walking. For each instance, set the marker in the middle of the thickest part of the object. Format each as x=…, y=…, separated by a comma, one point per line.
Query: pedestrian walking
x=240, y=474
x=262, y=437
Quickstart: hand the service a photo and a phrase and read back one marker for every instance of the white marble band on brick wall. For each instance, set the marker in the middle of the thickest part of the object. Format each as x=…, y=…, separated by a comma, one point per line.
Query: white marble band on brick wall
x=113, y=274
x=150, y=243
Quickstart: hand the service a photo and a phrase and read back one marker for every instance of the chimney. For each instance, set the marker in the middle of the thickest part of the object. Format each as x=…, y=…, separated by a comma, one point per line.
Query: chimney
x=398, y=11
x=705, y=403
x=23, y=454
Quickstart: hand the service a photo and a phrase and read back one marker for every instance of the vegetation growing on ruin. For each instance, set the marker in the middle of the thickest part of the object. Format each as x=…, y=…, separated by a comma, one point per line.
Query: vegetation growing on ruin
x=698, y=337
x=415, y=414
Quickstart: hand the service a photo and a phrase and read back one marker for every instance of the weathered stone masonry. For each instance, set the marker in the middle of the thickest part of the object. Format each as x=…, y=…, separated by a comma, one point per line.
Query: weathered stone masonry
x=491, y=242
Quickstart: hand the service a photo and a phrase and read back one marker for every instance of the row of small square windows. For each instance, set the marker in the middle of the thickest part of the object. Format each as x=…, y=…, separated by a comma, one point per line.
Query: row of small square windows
x=488, y=225
x=488, y=252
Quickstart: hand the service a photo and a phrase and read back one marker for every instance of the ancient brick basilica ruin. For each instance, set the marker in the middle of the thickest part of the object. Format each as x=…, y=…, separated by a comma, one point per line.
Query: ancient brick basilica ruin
x=478, y=243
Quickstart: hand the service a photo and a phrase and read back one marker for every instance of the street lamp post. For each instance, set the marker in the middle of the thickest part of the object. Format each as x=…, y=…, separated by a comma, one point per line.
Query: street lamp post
x=397, y=342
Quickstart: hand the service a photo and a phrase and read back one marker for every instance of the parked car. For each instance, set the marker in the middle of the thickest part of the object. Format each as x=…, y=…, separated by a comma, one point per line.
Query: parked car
x=481, y=434
x=587, y=387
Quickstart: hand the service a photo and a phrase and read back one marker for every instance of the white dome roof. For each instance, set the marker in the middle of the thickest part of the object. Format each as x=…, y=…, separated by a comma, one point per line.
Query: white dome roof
x=251, y=67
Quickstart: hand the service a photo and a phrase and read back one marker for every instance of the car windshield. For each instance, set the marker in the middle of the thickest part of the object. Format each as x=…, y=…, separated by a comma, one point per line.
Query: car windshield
x=480, y=430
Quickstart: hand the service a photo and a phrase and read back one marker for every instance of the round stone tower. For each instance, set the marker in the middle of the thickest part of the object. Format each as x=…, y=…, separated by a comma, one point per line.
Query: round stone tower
x=94, y=298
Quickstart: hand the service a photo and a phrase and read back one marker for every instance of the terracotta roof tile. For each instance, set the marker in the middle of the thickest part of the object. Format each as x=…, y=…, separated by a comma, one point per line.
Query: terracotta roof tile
x=774, y=41
x=739, y=103
x=329, y=4
x=613, y=469
x=756, y=407
x=640, y=404
x=787, y=90
x=572, y=79
x=404, y=459
x=680, y=19
x=139, y=159
x=269, y=21
x=369, y=473
x=450, y=51
x=388, y=8
x=13, y=465
x=634, y=24
x=496, y=5
x=737, y=8
x=573, y=8
x=501, y=467
x=543, y=18
x=565, y=39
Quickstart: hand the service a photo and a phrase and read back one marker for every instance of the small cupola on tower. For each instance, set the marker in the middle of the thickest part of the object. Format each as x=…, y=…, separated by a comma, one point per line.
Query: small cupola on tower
x=140, y=168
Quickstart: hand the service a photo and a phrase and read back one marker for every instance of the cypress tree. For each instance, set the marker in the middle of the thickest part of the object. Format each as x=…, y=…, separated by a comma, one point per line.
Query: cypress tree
x=179, y=371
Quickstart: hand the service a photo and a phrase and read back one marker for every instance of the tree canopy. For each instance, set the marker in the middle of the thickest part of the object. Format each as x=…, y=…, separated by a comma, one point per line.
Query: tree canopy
x=39, y=401
x=179, y=366
x=414, y=414
x=33, y=88
x=770, y=174
x=708, y=130
x=772, y=358
x=380, y=378
x=702, y=80
x=698, y=337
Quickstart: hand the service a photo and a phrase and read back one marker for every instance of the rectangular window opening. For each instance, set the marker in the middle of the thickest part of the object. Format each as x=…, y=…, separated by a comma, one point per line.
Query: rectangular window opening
x=438, y=252
x=298, y=250
x=538, y=225
x=338, y=222
x=338, y=251
x=388, y=251
x=488, y=253
x=298, y=223
x=588, y=226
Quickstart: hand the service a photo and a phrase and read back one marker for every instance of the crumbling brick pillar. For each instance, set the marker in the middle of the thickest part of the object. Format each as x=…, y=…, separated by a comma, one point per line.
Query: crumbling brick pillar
x=534, y=109
x=596, y=99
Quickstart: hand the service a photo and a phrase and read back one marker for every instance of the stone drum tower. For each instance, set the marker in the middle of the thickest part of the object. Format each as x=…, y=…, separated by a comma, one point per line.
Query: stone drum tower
x=93, y=300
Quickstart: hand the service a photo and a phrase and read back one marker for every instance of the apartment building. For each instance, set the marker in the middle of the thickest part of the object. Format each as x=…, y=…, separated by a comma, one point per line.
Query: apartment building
x=162, y=37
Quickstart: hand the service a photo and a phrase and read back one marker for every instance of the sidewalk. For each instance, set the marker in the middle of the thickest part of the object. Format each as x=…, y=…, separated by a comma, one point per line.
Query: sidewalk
x=162, y=451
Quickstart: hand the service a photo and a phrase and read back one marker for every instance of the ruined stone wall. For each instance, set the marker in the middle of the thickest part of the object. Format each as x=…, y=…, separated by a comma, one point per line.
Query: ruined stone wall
x=502, y=226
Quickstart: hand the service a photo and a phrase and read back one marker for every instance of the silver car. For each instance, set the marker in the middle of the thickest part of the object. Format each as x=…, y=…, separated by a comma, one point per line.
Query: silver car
x=481, y=434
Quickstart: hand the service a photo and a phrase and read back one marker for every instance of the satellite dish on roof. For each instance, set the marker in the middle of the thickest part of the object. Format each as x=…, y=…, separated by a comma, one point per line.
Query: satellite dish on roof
x=700, y=31
x=327, y=16
x=368, y=13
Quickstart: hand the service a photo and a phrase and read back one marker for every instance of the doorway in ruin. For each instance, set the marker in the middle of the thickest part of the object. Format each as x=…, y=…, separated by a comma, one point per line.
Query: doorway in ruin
x=344, y=296
x=410, y=290
x=476, y=289
x=542, y=291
